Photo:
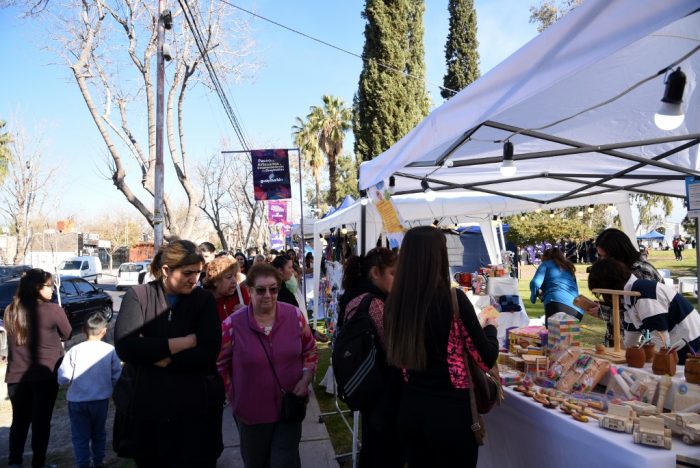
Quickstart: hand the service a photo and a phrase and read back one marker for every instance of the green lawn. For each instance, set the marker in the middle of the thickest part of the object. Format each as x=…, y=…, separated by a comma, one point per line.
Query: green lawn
x=592, y=331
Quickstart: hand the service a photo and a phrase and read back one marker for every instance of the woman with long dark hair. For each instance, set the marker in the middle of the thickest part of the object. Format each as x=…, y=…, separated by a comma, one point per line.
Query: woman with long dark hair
x=427, y=341
x=556, y=277
x=169, y=398
x=35, y=327
x=367, y=281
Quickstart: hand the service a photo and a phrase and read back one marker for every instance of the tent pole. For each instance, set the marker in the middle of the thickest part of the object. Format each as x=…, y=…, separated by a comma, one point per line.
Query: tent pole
x=697, y=254
x=303, y=240
x=363, y=224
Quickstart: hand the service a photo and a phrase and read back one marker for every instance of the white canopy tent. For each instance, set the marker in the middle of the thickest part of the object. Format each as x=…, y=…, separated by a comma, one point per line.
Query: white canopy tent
x=457, y=207
x=611, y=52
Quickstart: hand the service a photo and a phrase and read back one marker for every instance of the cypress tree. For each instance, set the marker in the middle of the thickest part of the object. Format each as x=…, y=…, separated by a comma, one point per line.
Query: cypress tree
x=461, y=49
x=391, y=97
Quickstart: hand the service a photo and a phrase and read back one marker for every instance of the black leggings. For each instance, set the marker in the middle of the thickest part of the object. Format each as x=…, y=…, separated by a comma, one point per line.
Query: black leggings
x=32, y=404
x=435, y=431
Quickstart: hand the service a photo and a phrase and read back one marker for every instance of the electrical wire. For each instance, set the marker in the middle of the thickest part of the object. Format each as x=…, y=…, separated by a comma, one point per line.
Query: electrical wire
x=340, y=49
x=216, y=82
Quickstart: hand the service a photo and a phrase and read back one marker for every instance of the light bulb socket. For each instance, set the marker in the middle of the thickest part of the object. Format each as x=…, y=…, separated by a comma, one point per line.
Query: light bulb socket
x=392, y=184
x=675, y=86
x=424, y=185
x=591, y=208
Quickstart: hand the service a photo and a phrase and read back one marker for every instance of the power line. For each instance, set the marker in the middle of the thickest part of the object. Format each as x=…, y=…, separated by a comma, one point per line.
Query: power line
x=345, y=51
x=218, y=88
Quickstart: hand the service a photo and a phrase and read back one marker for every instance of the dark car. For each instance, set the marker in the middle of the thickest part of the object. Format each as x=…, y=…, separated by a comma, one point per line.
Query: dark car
x=79, y=299
x=8, y=272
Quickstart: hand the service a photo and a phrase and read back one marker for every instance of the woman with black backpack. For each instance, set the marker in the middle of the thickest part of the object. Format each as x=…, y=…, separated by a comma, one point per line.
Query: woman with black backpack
x=367, y=281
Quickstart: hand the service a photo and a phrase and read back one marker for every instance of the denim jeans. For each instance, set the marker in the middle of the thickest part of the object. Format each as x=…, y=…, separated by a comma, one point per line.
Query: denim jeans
x=87, y=422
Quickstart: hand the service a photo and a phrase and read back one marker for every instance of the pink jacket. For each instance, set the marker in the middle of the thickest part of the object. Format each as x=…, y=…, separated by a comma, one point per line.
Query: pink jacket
x=255, y=395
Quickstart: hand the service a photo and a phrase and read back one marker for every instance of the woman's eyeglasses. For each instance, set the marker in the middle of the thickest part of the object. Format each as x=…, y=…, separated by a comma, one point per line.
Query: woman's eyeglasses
x=260, y=291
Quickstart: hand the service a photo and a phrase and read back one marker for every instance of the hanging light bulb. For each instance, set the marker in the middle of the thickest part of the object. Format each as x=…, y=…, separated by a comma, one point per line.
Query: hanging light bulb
x=670, y=114
x=508, y=168
x=363, y=197
x=392, y=185
x=343, y=230
x=538, y=210
x=429, y=194
x=580, y=213
x=551, y=213
x=436, y=223
x=523, y=217
x=590, y=208
x=495, y=218
x=610, y=207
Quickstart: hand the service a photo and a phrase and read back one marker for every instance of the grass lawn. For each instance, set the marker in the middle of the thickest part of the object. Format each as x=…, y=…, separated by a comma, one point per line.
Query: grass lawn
x=592, y=330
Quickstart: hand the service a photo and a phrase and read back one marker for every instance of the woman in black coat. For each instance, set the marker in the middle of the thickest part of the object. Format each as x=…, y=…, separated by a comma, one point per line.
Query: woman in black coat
x=170, y=397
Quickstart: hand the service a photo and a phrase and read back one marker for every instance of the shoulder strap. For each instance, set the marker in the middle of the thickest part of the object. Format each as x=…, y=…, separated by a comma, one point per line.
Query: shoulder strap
x=364, y=304
x=272, y=366
x=455, y=305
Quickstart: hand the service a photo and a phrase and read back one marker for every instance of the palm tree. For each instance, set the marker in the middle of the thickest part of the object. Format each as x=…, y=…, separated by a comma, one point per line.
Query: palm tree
x=330, y=123
x=307, y=142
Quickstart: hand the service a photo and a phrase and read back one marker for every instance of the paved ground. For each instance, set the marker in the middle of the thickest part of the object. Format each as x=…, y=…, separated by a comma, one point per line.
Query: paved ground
x=315, y=449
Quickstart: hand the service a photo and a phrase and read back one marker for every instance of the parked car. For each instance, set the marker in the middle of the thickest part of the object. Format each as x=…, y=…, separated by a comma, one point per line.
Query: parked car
x=7, y=272
x=87, y=267
x=79, y=299
x=129, y=273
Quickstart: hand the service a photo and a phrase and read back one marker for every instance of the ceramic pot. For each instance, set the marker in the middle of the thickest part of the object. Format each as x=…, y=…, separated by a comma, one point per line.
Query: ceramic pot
x=649, y=351
x=692, y=369
x=664, y=363
x=635, y=357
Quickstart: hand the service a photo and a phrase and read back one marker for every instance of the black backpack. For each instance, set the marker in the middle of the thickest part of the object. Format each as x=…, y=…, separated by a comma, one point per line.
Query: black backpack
x=358, y=359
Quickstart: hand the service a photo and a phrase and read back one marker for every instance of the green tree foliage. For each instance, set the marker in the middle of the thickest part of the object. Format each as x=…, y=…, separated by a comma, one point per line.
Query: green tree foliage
x=653, y=209
x=549, y=11
x=347, y=176
x=5, y=155
x=689, y=226
x=567, y=223
x=461, y=49
x=312, y=157
x=330, y=123
x=391, y=97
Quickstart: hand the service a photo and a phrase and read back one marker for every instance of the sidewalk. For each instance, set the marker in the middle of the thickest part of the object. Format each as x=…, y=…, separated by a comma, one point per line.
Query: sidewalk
x=316, y=450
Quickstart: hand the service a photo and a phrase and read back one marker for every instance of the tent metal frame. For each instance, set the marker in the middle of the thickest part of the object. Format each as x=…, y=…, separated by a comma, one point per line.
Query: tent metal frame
x=573, y=147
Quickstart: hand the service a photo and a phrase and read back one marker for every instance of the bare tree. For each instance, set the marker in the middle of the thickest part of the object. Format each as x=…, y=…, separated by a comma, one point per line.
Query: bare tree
x=25, y=189
x=119, y=230
x=239, y=221
x=110, y=48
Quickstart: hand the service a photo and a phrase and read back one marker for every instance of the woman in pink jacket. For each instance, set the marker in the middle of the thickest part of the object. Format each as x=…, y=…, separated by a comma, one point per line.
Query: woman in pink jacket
x=267, y=351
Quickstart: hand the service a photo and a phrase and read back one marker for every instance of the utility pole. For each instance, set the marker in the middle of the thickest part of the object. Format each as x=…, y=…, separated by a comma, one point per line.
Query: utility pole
x=160, y=85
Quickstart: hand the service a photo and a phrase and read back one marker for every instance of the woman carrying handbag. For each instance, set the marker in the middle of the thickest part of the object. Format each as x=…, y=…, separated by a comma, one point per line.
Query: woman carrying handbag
x=425, y=340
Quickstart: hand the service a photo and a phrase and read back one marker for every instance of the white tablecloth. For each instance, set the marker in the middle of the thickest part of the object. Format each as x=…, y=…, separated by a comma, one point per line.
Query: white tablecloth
x=523, y=434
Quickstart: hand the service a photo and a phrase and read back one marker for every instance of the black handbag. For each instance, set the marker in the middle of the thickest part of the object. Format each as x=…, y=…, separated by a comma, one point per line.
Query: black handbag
x=293, y=406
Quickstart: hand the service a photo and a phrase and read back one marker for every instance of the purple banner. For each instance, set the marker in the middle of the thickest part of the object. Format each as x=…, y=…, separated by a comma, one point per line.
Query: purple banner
x=271, y=174
x=277, y=212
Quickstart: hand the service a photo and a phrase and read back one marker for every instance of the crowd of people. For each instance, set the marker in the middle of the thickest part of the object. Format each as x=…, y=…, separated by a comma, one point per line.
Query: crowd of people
x=620, y=265
x=211, y=333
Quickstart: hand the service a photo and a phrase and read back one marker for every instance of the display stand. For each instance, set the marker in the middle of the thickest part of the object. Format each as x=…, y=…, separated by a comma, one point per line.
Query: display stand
x=617, y=351
x=354, y=429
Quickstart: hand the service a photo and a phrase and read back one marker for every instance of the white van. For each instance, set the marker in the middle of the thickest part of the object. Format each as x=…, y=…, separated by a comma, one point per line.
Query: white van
x=87, y=267
x=129, y=273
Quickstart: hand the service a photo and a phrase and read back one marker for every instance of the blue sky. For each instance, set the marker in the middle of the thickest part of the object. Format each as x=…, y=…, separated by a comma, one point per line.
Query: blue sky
x=295, y=73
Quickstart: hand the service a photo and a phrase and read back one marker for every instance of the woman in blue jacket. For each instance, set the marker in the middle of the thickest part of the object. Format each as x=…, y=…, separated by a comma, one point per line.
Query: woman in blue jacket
x=556, y=278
